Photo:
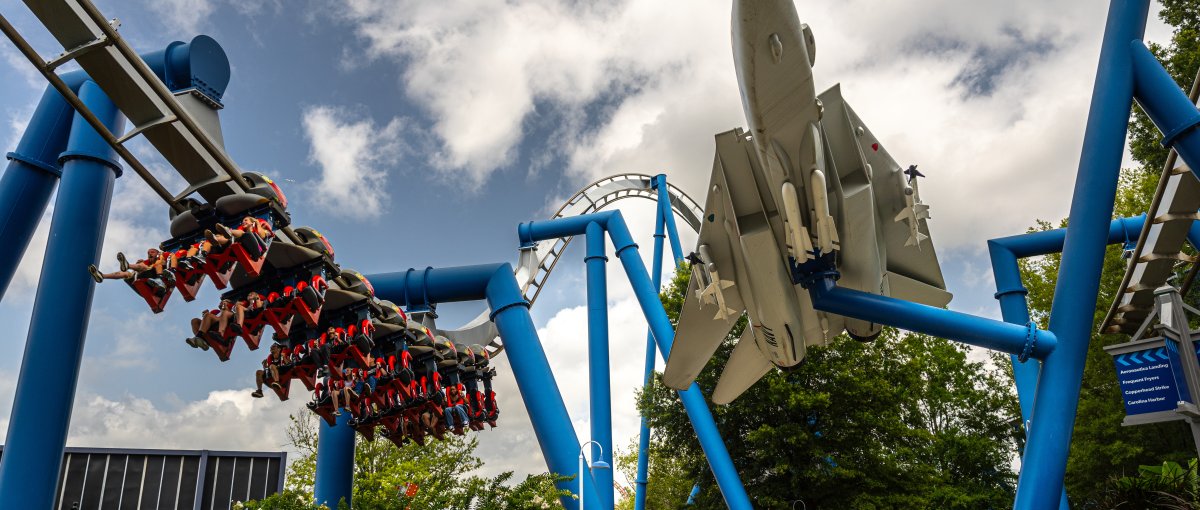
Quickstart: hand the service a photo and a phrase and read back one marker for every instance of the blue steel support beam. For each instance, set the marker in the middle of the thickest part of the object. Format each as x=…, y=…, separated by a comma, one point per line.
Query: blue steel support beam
x=334, y=477
x=1010, y=292
x=1167, y=105
x=664, y=335
x=41, y=413
x=539, y=391
x=29, y=181
x=1044, y=463
x=598, y=363
x=639, y=494
x=969, y=329
x=664, y=207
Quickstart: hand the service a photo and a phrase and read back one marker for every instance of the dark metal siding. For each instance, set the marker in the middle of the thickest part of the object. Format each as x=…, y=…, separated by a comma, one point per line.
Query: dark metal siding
x=127, y=479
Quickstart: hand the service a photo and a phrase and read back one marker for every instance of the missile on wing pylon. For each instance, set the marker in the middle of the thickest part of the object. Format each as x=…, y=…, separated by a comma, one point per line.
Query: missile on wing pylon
x=808, y=183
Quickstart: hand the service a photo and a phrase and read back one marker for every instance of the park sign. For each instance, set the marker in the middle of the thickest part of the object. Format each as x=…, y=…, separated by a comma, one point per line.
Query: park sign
x=1151, y=373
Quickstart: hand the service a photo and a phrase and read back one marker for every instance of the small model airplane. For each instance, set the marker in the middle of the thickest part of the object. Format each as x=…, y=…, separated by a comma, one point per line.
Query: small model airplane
x=808, y=184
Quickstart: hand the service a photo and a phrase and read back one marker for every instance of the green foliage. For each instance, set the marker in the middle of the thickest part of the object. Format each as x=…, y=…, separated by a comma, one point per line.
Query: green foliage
x=906, y=421
x=672, y=480
x=1164, y=486
x=441, y=470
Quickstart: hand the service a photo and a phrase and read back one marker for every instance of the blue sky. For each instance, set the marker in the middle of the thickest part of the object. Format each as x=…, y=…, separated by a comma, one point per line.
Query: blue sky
x=454, y=121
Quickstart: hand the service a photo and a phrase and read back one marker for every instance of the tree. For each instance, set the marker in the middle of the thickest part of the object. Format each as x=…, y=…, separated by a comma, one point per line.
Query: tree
x=441, y=471
x=1101, y=448
x=906, y=421
x=672, y=481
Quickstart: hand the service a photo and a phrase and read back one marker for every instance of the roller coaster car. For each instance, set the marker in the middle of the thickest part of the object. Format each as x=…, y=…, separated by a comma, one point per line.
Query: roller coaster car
x=391, y=314
x=322, y=405
x=310, y=256
x=222, y=345
x=153, y=288
x=353, y=281
x=365, y=427
x=346, y=354
x=394, y=430
x=248, y=252
x=189, y=282
x=305, y=300
x=285, y=382
x=302, y=368
x=277, y=311
x=310, y=297
x=389, y=339
x=187, y=228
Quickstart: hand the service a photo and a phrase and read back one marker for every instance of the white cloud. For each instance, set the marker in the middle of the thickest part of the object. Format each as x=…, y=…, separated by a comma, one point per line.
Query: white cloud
x=351, y=153
x=225, y=419
x=228, y=419
x=14, y=60
x=482, y=68
x=186, y=16
x=985, y=97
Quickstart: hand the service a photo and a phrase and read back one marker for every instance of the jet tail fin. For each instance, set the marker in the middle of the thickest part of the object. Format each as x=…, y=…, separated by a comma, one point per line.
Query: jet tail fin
x=915, y=240
x=745, y=367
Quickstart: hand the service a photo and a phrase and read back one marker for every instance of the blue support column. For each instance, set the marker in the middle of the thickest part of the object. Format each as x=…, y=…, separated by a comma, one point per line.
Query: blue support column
x=32, y=173
x=598, y=362
x=41, y=413
x=664, y=335
x=1167, y=105
x=643, y=466
x=664, y=207
x=1071, y=318
x=510, y=312
x=335, y=462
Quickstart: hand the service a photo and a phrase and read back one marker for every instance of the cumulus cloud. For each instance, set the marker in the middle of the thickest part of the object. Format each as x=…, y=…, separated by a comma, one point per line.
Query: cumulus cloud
x=186, y=16
x=987, y=97
x=352, y=153
x=482, y=68
x=224, y=419
x=14, y=60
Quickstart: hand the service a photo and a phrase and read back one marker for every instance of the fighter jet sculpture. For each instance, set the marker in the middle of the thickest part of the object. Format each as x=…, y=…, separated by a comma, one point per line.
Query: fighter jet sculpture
x=808, y=186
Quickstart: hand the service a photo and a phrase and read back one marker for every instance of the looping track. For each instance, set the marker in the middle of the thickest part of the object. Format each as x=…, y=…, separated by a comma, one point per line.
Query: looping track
x=535, y=264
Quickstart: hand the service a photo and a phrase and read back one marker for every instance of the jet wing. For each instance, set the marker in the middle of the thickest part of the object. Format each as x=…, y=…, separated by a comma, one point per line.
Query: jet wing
x=703, y=321
x=745, y=367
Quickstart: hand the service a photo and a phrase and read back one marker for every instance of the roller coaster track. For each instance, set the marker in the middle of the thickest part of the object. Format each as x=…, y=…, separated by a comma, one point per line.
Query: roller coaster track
x=535, y=264
x=1158, y=251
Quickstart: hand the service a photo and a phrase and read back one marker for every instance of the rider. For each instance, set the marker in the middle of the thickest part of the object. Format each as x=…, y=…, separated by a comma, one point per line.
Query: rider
x=220, y=317
x=251, y=307
x=270, y=367
x=150, y=267
x=455, y=407
x=250, y=224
